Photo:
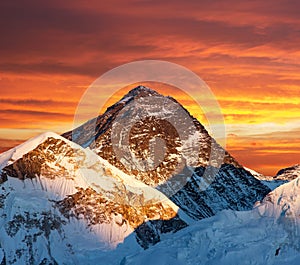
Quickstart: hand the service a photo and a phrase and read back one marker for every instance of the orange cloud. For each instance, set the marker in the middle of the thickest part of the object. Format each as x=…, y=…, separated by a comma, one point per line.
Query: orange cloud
x=266, y=152
x=246, y=51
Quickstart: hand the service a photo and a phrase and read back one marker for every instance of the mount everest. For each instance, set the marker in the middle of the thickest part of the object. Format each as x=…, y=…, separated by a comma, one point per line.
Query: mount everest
x=70, y=200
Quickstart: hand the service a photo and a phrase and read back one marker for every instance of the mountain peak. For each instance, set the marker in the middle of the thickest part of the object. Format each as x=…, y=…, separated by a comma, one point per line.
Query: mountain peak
x=289, y=173
x=18, y=151
x=141, y=91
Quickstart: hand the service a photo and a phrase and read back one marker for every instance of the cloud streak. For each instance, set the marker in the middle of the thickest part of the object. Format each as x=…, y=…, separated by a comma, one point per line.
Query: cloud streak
x=37, y=102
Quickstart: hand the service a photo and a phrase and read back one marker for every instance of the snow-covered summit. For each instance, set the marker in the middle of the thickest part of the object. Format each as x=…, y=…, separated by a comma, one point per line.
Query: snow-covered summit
x=141, y=91
x=64, y=198
x=18, y=151
x=233, y=188
x=288, y=173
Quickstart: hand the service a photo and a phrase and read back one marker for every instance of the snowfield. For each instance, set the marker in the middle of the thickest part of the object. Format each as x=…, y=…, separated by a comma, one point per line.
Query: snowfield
x=269, y=234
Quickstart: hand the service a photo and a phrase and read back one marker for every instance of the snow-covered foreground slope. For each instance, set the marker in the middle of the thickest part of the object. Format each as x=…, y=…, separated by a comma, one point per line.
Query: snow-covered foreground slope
x=59, y=202
x=269, y=234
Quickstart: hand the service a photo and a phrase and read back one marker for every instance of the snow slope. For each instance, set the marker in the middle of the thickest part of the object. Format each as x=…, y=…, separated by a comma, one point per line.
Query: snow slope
x=88, y=175
x=269, y=234
x=59, y=201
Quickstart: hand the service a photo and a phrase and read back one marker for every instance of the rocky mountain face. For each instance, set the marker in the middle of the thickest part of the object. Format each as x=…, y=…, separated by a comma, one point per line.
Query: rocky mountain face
x=54, y=192
x=96, y=134
x=232, y=186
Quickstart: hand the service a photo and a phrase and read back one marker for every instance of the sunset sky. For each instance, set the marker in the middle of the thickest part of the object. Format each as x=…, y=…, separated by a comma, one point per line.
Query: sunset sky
x=248, y=52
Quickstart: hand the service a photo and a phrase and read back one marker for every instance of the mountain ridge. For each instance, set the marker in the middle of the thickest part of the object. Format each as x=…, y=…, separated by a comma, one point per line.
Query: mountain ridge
x=189, y=196
x=56, y=187
x=55, y=190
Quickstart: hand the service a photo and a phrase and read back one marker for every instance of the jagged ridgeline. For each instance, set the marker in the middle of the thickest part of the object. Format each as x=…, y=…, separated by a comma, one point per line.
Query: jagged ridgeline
x=61, y=200
x=233, y=186
x=55, y=194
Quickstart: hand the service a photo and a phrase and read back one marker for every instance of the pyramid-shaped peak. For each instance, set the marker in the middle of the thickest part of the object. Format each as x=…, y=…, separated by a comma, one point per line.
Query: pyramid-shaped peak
x=141, y=91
